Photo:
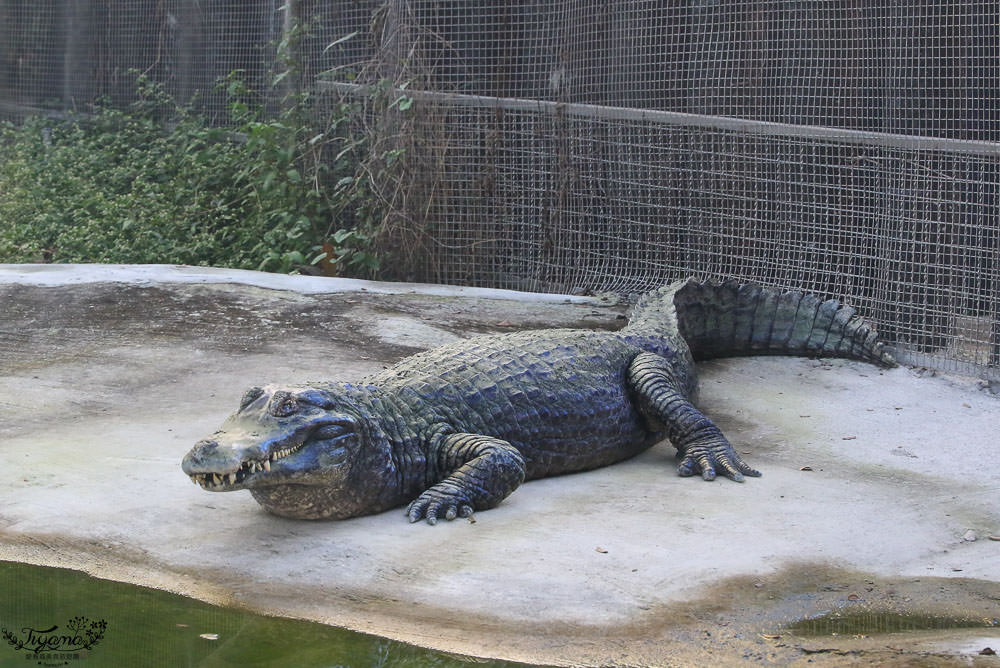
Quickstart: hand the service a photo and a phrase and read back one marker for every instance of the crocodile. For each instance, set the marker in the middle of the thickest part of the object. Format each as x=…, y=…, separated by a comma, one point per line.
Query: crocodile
x=455, y=429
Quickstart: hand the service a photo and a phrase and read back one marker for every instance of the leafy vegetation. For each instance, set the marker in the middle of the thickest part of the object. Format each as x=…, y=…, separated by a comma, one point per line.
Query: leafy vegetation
x=158, y=184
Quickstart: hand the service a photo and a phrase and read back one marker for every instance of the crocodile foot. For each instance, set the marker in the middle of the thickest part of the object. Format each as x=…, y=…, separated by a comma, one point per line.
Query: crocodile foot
x=712, y=456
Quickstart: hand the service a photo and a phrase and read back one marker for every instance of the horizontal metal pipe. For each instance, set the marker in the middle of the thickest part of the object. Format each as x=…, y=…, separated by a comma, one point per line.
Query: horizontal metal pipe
x=749, y=126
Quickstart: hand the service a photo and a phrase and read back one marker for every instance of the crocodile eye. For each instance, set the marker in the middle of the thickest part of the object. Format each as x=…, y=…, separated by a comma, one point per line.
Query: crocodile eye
x=283, y=404
x=251, y=396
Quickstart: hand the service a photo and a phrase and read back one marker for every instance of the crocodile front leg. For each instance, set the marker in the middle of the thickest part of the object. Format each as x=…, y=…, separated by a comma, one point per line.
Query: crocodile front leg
x=700, y=443
x=480, y=472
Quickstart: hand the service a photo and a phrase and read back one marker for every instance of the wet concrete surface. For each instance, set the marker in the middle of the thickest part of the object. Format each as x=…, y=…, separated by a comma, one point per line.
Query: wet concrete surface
x=875, y=485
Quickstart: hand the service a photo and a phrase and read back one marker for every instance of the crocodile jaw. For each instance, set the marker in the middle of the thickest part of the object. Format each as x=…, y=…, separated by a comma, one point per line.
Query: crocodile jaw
x=310, y=502
x=227, y=462
x=239, y=471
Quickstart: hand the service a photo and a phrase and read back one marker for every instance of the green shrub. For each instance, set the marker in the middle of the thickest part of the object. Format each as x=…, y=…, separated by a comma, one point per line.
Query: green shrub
x=275, y=193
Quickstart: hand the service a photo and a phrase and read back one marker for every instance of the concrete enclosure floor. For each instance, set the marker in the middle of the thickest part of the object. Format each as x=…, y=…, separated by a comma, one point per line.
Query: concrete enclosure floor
x=880, y=494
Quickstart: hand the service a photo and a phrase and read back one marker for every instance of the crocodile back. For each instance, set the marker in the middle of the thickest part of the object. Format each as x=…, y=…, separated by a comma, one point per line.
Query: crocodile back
x=559, y=396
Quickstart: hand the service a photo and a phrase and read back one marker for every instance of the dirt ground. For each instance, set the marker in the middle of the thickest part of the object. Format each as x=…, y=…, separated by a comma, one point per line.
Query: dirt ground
x=875, y=516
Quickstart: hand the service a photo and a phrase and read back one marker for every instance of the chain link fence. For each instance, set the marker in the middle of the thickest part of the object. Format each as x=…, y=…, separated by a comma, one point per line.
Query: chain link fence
x=848, y=148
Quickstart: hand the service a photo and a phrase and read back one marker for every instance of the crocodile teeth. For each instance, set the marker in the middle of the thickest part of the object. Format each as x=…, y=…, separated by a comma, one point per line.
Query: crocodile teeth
x=280, y=454
x=232, y=478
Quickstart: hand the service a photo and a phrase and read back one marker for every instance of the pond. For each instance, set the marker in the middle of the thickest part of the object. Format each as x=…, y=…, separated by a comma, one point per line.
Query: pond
x=58, y=617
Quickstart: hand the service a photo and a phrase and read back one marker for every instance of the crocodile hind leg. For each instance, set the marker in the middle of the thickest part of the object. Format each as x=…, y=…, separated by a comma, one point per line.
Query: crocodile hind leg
x=701, y=445
x=478, y=473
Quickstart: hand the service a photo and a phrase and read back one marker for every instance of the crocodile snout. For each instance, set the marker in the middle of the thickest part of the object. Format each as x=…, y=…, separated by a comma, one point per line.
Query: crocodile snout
x=209, y=456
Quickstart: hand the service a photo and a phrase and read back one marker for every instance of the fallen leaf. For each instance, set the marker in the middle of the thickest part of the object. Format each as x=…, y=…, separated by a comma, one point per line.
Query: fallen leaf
x=770, y=636
x=806, y=468
x=853, y=597
x=209, y=636
x=848, y=438
x=993, y=537
x=601, y=550
x=505, y=323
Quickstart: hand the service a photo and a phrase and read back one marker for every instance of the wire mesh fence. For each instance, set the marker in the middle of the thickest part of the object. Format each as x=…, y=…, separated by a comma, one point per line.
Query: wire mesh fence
x=568, y=203
x=845, y=147
x=59, y=56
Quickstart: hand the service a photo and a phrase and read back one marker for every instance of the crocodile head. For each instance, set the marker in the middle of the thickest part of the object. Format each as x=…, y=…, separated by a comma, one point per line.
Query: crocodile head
x=306, y=452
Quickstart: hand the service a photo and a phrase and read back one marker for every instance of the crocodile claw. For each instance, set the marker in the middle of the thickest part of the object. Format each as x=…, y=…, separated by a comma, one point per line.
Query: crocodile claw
x=435, y=504
x=710, y=459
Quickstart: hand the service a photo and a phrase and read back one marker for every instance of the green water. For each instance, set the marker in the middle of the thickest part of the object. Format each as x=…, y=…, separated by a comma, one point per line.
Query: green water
x=870, y=622
x=149, y=627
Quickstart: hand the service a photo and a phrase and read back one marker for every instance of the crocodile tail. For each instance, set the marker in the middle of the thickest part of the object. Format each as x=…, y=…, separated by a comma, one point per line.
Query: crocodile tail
x=731, y=319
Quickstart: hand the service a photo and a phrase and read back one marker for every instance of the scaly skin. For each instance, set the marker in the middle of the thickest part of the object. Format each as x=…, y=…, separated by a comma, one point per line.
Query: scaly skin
x=456, y=429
